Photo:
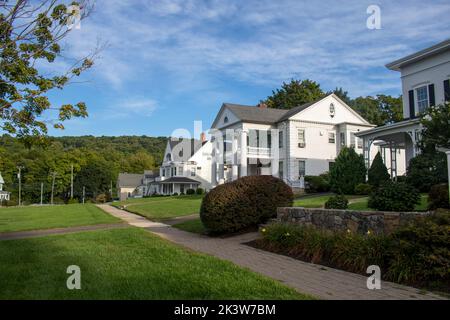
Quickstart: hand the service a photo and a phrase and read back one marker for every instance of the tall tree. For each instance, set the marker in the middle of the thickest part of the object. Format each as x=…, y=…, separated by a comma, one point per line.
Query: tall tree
x=436, y=128
x=343, y=95
x=294, y=94
x=379, y=110
x=30, y=36
x=347, y=172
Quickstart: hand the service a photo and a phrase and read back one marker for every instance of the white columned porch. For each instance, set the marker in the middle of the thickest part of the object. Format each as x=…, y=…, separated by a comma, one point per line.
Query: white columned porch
x=243, y=154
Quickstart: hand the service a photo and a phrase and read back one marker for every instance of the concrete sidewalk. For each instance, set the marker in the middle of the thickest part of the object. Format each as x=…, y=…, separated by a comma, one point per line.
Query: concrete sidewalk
x=319, y=281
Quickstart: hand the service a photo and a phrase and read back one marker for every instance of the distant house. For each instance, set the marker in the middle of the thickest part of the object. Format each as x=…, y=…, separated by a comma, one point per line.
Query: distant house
x=4, y=195
x=129, y=185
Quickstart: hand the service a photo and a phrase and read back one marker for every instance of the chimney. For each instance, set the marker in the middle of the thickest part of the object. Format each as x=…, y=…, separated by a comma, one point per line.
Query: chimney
x=203, y=137
x=262, y=105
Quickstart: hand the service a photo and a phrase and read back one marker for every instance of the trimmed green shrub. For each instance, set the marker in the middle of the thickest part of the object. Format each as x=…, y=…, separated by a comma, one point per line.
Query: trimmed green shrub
x=244, y=203
x=427, y=170
x=200, y=191
x=337, y=202
x=317, y=184
x=438, y=197
x=347, y=172
x=190, y=191
x=363, y=189
x=175, y=194
x=73, y=201
x=394, y=196
x=378, y=173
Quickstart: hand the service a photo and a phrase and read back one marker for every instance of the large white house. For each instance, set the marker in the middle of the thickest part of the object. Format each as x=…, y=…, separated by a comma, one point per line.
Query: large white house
x=425, y=79
x=290, y=144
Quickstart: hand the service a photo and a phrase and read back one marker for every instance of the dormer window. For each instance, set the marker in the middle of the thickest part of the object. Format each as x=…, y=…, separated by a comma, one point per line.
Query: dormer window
x=225, y=120
x=169, y=157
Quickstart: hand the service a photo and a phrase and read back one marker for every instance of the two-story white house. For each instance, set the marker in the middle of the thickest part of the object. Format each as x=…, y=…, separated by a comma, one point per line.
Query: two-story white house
x=186, y=165
x=290, y=144
x=425, y=79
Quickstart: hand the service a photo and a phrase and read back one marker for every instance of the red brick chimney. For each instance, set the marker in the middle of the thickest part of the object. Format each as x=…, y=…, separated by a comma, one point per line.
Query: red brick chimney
x=262, y=105
x=203, y=137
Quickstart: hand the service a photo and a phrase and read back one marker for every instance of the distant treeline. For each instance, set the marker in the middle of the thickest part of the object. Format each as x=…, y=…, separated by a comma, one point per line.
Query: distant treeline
x=96, y=162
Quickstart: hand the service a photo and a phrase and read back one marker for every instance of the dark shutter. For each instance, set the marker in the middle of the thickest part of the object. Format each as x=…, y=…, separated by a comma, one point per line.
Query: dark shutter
x=412, y=112
x=447, y=90
x=431, y=95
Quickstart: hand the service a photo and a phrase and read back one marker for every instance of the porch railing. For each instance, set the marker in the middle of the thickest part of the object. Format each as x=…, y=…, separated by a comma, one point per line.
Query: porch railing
x=255, y=151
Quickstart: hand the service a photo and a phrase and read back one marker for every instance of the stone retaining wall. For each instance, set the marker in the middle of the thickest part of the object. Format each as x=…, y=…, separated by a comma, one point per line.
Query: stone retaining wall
x=356, y=221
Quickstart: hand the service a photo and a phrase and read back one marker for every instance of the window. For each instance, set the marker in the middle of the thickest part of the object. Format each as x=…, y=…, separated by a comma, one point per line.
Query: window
x=174, y=171
x=180, y=171
x=301, y=138
x=342, y=138
x=301, y=168
x=280, y=170
x=280, y=139
x=360, y=143
x=352, y=140
x=163, y=172
x=225, y=120
x=169, y=157
x=331, y=137
x=193, y=172
x=422, y=98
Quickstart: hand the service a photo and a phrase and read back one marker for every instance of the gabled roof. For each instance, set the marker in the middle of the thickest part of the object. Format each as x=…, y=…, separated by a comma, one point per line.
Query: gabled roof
x=255, y=114
x=419, y=55
x=129, y=180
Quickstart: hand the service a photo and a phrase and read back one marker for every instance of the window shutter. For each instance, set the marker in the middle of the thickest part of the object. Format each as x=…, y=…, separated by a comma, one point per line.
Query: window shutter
x=412, y=112
x=447, y=90
x=431, y=95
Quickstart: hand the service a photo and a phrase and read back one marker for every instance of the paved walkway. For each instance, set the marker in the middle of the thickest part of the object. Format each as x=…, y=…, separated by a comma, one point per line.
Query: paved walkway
x=319, y=281
x=182, y=219
x=41, y=233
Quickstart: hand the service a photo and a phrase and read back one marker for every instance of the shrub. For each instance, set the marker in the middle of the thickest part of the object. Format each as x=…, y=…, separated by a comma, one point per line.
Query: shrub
x=244, y=203
x=317, y=184
x=337, y=202
x=378, y=173
x=175, y=194
x=101, y=198
x=394, y=196
x=363, y=189
x=347, y=172
x=73, y=201
x=200, y=191
x=190, y=191
x=427, y=170
x=438, y=197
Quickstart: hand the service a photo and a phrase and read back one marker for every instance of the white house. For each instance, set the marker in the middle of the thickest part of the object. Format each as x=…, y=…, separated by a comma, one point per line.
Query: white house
x=290, y=144
x=425, y=82
x=186, y=165
x=4, y=195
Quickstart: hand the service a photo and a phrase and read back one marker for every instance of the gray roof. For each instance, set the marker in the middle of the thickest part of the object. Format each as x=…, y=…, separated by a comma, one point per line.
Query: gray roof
x=180, y=180
x=255, y=114
x=130, y=180
x=419, y=55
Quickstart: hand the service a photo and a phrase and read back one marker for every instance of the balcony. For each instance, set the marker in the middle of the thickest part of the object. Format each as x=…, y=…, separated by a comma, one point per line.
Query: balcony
x=258, y=152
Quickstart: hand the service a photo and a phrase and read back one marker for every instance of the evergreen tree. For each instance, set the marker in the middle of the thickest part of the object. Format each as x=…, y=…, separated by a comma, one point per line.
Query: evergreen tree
x=378, y=173
x=347, y=172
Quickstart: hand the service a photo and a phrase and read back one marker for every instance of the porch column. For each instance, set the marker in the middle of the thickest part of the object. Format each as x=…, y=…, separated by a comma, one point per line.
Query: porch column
x=243, y=158
x=367, y=145
x=448, y=166
x=234, y=149
x=393, y=151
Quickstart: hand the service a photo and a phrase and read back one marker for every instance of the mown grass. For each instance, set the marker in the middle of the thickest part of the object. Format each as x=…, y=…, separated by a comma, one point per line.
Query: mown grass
x=125, y=264
x=160, y=208
x=194, y=226
x=48, y=217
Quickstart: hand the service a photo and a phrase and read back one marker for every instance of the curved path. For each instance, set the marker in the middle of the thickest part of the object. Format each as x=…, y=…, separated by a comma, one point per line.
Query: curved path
x=319, y=281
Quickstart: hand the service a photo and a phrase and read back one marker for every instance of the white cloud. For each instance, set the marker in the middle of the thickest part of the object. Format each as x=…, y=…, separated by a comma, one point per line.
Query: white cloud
x=132, y=108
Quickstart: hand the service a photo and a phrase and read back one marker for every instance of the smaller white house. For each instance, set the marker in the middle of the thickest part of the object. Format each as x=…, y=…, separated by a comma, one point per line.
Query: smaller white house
x=4, y=195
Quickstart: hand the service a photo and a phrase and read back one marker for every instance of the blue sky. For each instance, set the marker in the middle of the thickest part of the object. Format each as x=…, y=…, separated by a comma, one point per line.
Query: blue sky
x=170, y=62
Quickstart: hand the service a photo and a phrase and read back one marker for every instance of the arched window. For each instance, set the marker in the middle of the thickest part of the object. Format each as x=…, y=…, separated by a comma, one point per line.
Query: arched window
x=169, y=157
x=225, y=120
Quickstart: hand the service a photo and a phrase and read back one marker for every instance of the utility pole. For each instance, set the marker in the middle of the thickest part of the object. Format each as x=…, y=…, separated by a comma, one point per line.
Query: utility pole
x=53, y=186
x=19, y=175
x=42, y=192
x=84, y=193
x=71, y=183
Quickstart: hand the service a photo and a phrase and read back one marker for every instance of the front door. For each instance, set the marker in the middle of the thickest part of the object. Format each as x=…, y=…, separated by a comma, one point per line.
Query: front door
x=181, y=188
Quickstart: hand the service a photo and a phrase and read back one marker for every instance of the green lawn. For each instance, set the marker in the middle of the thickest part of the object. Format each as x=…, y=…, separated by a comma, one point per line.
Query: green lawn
x=48, y=217
x=125, y=264
x=194, y=226
x=357, y=202
x=160, y=208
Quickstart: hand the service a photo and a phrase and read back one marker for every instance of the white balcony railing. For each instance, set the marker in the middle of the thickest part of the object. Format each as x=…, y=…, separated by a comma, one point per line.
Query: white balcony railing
x=255, y=151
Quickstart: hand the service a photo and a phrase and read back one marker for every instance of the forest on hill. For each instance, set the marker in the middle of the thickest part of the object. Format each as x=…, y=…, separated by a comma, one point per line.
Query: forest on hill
x=96, y=163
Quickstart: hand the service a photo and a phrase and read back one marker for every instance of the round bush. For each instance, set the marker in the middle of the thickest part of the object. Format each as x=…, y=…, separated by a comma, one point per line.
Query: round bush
x=337, y=202
x=438, y=197
x=200, y=191
x=244, y=203
x=363, y=189
x=394, y=196
x=317, y=184
x=190, y=191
